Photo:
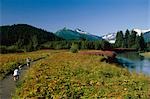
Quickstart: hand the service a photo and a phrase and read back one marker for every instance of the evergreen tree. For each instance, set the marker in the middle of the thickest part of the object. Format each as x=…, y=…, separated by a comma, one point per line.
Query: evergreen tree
x=127, y=35
x=137, y=43
x=142, y=43
x=105, y=45
x=119, y=39
x=132, y=39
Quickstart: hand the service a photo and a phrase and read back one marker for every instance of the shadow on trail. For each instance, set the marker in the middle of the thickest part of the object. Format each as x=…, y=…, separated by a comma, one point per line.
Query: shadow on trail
x=39, y=59
x=8, y=85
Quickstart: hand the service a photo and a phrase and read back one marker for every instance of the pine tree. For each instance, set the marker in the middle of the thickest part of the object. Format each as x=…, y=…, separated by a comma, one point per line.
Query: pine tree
x=119, y=39
x=127, y=35
x=137, y=43
x=105, y=45
x=142, y=43
x=132, y=39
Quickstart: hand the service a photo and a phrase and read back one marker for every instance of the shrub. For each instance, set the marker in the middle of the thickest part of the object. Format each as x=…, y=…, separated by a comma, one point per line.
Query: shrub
x=74, y=48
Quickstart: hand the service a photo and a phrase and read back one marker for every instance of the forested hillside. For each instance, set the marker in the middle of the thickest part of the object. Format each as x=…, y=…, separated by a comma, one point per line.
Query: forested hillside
x=23, y=36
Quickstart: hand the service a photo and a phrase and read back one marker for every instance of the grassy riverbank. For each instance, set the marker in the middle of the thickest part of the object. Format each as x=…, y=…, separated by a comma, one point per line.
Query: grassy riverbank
x=68, y=75
x=146, y=54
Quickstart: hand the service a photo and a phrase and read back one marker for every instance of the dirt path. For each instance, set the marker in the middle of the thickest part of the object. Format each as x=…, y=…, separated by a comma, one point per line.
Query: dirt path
x=8, y=85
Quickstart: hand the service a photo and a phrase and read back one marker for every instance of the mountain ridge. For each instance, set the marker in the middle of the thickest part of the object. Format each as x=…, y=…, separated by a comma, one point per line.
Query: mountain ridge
x=76, y=34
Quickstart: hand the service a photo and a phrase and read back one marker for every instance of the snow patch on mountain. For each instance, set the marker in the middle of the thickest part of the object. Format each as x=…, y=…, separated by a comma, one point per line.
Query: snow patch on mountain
x=140, y=31
x=111, y=37
x=80, y=31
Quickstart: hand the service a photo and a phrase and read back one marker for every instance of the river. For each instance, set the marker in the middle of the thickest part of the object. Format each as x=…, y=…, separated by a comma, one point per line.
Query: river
x=134, y=62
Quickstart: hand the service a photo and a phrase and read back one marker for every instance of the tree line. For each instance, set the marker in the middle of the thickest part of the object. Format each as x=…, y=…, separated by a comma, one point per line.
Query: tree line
x=81, y=44
x=130, y=40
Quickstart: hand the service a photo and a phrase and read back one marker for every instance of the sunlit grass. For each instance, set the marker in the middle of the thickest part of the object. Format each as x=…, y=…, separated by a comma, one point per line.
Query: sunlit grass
x=68, y=75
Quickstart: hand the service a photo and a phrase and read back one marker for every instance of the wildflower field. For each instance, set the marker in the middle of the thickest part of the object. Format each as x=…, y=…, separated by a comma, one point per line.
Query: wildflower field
x=9, y=61
x=74, y=75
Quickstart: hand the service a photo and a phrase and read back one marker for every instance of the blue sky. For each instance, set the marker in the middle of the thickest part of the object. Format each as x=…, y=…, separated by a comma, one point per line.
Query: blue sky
x=94, y=16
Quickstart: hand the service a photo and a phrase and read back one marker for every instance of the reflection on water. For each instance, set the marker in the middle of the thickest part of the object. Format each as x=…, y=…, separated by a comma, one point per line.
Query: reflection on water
x=134, y=62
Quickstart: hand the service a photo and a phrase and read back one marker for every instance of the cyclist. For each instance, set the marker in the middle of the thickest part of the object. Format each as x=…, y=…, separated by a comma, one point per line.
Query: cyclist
x=16, y=74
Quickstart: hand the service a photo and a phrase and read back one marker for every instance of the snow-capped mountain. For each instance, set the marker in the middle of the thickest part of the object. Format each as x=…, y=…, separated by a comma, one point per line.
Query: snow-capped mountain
x=140, y=31
x=111, y=37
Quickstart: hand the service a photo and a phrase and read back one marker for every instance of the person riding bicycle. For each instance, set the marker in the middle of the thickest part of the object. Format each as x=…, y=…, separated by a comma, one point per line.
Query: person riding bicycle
x=16, y=74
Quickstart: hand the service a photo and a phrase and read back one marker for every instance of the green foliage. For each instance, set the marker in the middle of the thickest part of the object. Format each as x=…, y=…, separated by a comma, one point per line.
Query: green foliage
x=103, y=45
x=119, y=39
x=74, y=48
x=140, y=45
x=127, y=36
x=97, y=45
x=132, y=39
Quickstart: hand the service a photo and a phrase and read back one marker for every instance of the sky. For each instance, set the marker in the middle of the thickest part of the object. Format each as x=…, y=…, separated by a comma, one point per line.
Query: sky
x=97, y=17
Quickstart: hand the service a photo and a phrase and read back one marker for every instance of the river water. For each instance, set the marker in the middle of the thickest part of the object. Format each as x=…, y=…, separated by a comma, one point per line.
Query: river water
x=134, y=62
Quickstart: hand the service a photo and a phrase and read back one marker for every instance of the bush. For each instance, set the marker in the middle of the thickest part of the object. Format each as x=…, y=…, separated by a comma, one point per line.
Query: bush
x=74, y=48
